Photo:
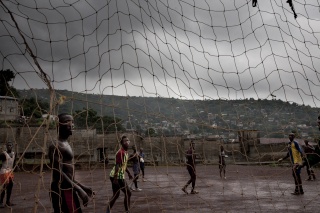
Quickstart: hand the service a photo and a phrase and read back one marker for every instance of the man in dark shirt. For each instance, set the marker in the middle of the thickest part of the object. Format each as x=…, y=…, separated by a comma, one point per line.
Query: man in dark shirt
x=64, y=188
x=135, y=159
x=191, y=157
x=309, y=151
x=142, y=156
x=312, y=159
x=222, y=162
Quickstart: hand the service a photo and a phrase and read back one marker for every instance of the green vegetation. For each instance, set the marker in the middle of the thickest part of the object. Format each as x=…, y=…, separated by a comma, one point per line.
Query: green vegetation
x=5, y=89
x=33, y=108
x=151, y=132
x=89, y=119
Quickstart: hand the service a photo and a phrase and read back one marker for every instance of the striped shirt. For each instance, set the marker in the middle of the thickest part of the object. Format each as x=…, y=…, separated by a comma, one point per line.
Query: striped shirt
x=121, y=161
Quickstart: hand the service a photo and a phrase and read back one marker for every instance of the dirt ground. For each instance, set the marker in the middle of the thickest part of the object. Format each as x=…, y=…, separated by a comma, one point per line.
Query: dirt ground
x=246, y=189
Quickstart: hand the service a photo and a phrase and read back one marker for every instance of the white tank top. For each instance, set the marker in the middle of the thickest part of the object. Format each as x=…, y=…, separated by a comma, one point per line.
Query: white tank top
x=7, y=166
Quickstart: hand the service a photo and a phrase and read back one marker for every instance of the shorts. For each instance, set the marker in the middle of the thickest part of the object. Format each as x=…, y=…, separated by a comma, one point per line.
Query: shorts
x=192, y=171
x=136, y=169
x=222, y=166
x=121, y=184
x=64, y=200
x=6, y=178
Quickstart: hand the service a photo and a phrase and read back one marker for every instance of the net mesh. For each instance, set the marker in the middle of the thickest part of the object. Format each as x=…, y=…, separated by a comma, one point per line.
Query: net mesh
x=236, y=73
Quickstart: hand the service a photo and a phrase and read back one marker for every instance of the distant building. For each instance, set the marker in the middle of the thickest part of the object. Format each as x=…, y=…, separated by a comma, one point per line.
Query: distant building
x=280, y=140
x=51, y=118
x=9, y=108
x=191, y=120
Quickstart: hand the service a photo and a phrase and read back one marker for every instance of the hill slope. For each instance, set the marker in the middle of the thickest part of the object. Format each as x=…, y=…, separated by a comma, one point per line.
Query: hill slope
x=270, y=116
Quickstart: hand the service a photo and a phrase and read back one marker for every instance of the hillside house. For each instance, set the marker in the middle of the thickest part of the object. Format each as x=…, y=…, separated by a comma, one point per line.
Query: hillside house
x=9, y=108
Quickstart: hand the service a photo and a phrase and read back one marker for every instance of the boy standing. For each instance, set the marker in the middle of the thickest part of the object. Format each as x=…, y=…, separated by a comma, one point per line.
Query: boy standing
x=295, y=153
x=117, y=176
x=6, y=174
x=191, y=167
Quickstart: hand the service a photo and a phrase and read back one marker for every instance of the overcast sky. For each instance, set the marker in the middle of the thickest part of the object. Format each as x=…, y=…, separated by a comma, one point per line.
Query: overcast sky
x=203, y=49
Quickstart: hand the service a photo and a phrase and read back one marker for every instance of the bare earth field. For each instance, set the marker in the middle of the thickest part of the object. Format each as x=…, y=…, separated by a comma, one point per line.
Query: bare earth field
x=246, y=189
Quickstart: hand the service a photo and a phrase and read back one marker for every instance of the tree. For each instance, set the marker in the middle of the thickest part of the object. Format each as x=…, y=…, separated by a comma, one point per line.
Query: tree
x=129, y=125
x=183, y=125
x=151, y=132
x=111, y=124
x=5, y=89
x=138, y=128
x=88, y=118
x=33, y=108
x=85, y=118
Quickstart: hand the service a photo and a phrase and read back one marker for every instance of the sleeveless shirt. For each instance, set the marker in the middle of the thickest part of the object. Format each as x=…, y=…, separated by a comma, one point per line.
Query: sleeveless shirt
x=7, y=166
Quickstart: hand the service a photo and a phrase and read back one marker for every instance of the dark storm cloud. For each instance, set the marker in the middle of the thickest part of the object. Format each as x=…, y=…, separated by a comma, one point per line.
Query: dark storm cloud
x=183, y=49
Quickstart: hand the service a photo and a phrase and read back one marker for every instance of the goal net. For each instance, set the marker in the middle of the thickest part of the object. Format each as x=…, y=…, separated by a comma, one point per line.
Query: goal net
x=241, y=74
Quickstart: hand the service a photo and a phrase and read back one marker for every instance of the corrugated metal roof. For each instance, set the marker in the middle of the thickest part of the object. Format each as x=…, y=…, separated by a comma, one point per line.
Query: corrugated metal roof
x=8, y=98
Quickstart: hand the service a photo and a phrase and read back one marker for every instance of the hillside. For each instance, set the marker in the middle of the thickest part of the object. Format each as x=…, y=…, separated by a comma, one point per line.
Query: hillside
x=269, y=116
